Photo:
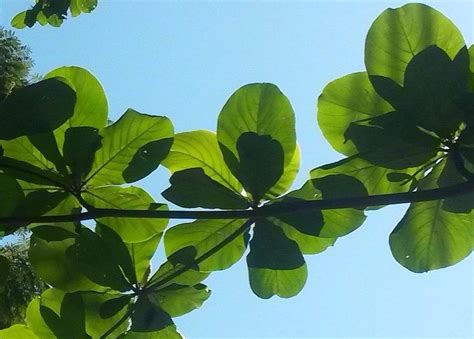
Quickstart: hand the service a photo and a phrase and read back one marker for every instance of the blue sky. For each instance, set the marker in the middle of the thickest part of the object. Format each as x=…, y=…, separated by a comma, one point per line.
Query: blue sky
x=183, y=59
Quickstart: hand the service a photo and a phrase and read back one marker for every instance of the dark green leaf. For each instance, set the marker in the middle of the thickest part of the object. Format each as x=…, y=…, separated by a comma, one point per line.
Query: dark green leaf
x=200, y=236
x=96, y=260
x=189, y=277
x=259, y=163
x=129, y=229
x=177, y=300
x=48, y=147
x=113, y=306
x=149, y=317
x=193, y=188
x=37, y=108
x=52, y=233
x=73, y=315
x=29, y=173
x=11, y=195
x=53, y=321
x=80, y=146
x=411, y=29
x=131, y=149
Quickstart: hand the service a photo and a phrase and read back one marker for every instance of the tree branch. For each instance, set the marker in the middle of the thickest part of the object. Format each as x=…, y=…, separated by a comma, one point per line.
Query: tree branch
x=279, y=208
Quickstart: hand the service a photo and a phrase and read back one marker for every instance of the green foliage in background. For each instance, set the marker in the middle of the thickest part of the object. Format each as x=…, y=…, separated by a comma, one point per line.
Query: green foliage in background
x=52, y=12
x=405, y=127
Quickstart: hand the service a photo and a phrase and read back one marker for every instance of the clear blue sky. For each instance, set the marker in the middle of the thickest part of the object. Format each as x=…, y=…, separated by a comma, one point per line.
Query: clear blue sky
x=183, y=59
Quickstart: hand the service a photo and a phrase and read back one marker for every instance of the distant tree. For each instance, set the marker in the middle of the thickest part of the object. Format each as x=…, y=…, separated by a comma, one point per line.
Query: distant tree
x=21, y=285
x=15, y=63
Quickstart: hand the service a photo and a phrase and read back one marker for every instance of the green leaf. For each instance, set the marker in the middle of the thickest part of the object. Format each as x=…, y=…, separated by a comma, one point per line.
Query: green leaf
x=203, y=235
x=29, y=173
x=11, y=195
x=276, y=265
x=4, y=269
x=36, y=108
x=82, y=6
x=433, y=84
x=18, y=20
x=260, y=109
x=17, y=332
x=374, y=140
x=48, y=147
x=91, y=302
x=149, y=317
x=259, y=164
x=411, y=29
x=376, y=179
x=189, y=277
x=129, y=229
x=50, y=262
x=103, y=259
x=471, y=66
x=73, y=314
x=141, y=254
x=429, y=237
x=177, y=300
x=199, y=149
x=337, y=222
x=193, y=188
x=132, y=148
x=80, y=145
x=346, y=100
x=287, y=178
x=169, y=332
x=113, y=306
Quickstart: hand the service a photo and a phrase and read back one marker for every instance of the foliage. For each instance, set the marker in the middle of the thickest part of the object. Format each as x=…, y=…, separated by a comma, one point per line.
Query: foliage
x=19, y=285
x=406, y=127
x=52, y=12
x=15, y=63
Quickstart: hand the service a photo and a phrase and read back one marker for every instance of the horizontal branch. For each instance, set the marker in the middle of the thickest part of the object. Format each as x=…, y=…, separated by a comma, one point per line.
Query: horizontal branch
x=279, y=208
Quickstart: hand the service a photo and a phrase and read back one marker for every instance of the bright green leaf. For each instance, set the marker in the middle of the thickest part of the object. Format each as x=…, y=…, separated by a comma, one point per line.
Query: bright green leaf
x=411, y=29
x=132, y=148
x=203, y=235
x=129, y=229
x=177, y=300
x=346, y=100
x=193, y=188
x=169, y=332
x=287, y=178
x=429, y=237
x=199, y=149
x=17, y=332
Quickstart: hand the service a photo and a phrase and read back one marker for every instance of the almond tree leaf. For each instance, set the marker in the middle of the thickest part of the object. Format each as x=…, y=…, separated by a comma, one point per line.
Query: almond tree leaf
x=346, y=100
x=132, y=148
x=199, y=149
x=411, y=28
x=193, y=188
x=429, y=237
x=202, y=235
x=37, y=108
x=177, y=300
x=17, y=332
x=141, y=254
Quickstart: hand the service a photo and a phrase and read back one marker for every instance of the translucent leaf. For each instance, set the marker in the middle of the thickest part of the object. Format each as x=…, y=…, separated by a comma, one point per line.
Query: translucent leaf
x=129, y=229
x=199, y=149
x=193, y=188
x=261, y=109
x=203, y=235
x=36, y=108
x=343, y=101
x=169, y=332
x=258, y=164
x=132, y=148
x=287, y=178
x=141, y=254
x=177, y=300
x=429, y=237
x=276, y=265
x=411, y=29
x=17, y=332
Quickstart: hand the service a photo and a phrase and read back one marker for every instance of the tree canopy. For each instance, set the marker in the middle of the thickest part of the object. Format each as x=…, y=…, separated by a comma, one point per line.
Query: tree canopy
x=405, y=126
